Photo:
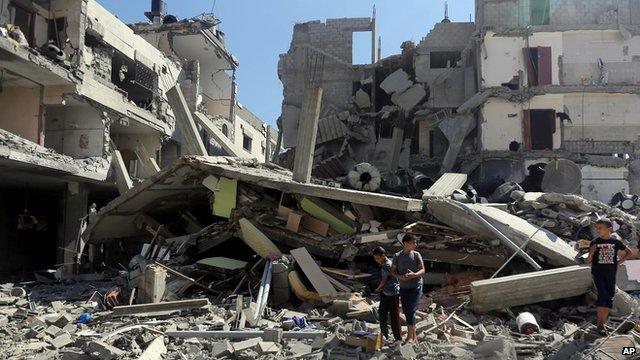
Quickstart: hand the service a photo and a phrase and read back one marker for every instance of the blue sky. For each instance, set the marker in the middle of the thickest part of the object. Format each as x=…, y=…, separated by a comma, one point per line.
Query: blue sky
x=259, y=30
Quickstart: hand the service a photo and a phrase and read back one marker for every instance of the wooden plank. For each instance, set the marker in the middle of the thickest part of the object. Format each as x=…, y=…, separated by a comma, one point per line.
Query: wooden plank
x=160, y=307
x=314, y=273
x=454, y=257
x=340, y=286
x=345, y=273
x=314, y=225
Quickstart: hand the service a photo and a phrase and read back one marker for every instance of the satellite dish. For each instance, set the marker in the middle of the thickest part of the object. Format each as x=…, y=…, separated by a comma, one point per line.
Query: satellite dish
x=562, y=176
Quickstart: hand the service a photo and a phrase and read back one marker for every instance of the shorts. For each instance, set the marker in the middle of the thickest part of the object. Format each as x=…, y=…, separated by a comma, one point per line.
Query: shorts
x=410, y=299
x=606, y=287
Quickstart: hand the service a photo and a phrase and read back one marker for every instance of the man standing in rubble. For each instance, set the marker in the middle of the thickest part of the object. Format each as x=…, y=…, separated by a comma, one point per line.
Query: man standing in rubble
x=408, y=268
x=603, y=257
x=389, y=289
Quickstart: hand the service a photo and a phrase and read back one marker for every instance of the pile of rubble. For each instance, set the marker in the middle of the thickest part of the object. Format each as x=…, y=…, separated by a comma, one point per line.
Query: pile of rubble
x=220, y=257
x=14, y=147
x=75, y=320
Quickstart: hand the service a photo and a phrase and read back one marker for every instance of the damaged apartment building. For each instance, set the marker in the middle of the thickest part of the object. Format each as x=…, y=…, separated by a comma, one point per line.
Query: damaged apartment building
x=529, y=83
x=88, y=109
x=208, y=80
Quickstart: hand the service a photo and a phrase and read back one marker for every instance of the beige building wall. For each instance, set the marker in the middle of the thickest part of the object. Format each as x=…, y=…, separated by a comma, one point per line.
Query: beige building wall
x=603, y=116
x=20, y=111
x=503, y=57
x=502, y=120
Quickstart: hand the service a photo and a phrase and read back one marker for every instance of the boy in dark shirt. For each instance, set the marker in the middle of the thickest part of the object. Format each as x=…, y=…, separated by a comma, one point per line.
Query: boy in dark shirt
x=389, y=289
x=603, y=257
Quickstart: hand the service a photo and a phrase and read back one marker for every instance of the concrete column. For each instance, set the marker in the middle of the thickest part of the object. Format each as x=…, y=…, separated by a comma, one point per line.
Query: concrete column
x=397, y=139
x=76, y=207
x=307, y=131
x=184, y=121
x=232, y=101
x=424, y=138
x=267, y=145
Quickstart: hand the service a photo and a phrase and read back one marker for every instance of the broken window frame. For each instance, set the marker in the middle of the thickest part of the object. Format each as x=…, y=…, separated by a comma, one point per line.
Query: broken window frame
x=527, y=130
x=444, y=59
x=247, y=142
x=29, y=33
x=538, y=65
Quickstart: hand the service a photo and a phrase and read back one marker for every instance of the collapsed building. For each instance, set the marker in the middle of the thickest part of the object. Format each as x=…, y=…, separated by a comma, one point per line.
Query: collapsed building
x=229, y=257
x=88, y=109
x=498, y=99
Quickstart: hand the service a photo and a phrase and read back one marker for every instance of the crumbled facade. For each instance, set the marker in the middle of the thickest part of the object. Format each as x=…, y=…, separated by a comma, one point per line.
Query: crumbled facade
x=568, y=71
x=208, y=81
x=527, y=83
x=86, y=112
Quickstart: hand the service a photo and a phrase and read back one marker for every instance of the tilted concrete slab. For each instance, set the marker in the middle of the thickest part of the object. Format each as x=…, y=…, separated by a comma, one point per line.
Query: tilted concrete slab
x=556, y=251
x=530, y=288
x=181, y=183
x=410, y=98
x=445, y=185
x=398, y=81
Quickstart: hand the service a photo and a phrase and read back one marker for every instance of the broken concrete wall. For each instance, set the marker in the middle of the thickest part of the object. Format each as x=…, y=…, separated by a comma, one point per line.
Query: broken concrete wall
x=20, y=111
x=558, y=13
x=574, y=57
x=324, y=50
x=601, y=183
x=620, y=55
x=447, y=84
x=77, y=131
x=73, y=13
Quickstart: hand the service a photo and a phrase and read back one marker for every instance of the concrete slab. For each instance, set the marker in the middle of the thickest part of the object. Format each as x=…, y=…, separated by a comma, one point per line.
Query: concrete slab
x=398, y=81
x=556, y=251
x=362, y=99
x=410, y=98
x=314, y=273
x=445, y=185
x=530, y=288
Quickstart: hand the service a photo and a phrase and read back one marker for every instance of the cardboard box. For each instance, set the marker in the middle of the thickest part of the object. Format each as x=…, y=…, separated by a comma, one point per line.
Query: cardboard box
x=369, y=343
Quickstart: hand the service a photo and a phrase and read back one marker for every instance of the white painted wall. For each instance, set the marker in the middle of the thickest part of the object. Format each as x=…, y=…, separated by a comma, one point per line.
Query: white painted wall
x=502, y=57
x=603, y=116
x=582, y=49
x=600, y=183
x=502, y=120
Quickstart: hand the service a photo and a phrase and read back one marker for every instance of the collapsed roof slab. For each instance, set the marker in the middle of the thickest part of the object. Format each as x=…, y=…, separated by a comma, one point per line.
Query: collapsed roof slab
x=541, y=241
x=181, y=183
x=21, y=155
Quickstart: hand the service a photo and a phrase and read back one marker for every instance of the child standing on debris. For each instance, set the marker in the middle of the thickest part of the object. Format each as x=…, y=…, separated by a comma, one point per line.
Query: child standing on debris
x=603, y=257
x=408, y=268
x=389, y=290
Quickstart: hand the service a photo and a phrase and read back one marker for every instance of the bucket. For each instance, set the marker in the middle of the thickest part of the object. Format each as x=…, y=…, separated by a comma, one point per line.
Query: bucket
x=527, y=323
